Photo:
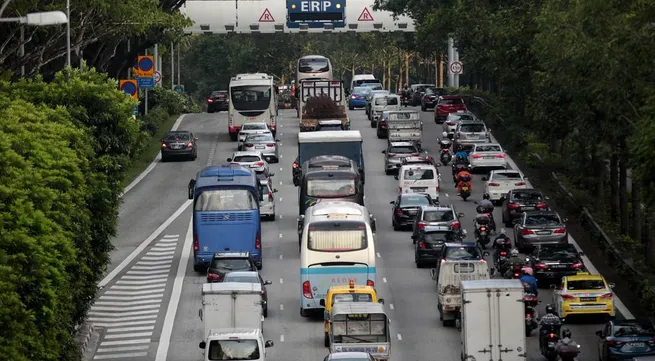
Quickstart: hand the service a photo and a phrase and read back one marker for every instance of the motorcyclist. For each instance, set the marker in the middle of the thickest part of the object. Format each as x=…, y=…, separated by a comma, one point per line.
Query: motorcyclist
x=445, y=142
x=463, y=178
x=528, y=279
x=461, y=156
x=566, y=345
x=406, y=92
x=514, y=260
x=502, y=243
x=548, y=322
x=486, y=206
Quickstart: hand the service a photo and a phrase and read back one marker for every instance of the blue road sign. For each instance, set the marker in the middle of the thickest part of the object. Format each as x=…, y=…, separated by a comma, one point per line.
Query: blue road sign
x=146, y=82
x=315, y=13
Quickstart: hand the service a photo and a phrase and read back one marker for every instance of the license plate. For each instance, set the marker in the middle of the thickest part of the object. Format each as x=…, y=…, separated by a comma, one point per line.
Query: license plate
x=412, y=211
x=636, y=344
x=528, y=208
x=488, y=157
x=543, y=233
x=260, y=147
x=587, y=299
x=253, y=166
x=557, y=265
x=176, y=147
x=551, y=344
x=419, y=190
x=473, y=136
x=466, y=189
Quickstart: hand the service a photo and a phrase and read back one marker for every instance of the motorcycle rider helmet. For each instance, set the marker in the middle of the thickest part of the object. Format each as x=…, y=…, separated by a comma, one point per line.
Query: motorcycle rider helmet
x=550, y=309
x=514, y=252
x=444, y=134
x=503, y=233
x=527, y=271
x=566, y=333
x=485, y=196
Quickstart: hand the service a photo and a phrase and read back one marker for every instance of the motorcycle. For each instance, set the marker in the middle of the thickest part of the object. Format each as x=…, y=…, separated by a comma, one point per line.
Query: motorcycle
x=514, y=273
x=530, y=300
x=482, y=229
x=445, y=156
x=466, y=192
x=569, y=353
x=404, y=101
x=458, y=167
x=502, y=247
x=549, y=345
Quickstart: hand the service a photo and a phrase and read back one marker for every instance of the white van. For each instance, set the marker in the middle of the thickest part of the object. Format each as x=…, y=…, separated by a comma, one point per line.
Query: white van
x=360, y=79
x=419, y=178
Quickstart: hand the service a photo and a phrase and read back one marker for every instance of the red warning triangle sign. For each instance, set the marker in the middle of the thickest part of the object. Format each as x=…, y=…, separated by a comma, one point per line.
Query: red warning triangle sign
x=266, y=17
x=365, y=15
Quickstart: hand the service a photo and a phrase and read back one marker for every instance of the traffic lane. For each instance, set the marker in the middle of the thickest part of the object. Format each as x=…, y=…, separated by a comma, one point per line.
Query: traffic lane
x=146, y=206
x=583, y=333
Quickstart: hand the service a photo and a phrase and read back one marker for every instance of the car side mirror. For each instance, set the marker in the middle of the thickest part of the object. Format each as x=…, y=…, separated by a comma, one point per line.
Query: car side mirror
x=192, y=185
x=202, y=344
x=269, y=343
x=460, y=215
x=271, y=174
x=321, y=302
x=553, y=287
x=565, y=220
x=396, y=177
x=546, y=197
x=229, y=159
x=384, y=152
x=484, y=179
x=268, y=282
x=277, y=140
x=599, y=333
x=433, y=273
x=392, y=202
x=611, y=285
x=381, y=301
x=486, y=254
x=274, y=190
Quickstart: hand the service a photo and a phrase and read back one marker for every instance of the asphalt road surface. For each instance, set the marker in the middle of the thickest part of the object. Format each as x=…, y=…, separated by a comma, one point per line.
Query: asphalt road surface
x=149, y=305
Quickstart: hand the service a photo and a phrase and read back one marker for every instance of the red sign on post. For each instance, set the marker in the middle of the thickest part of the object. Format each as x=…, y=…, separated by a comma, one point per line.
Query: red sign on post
x=365, y=15
x=266, y=17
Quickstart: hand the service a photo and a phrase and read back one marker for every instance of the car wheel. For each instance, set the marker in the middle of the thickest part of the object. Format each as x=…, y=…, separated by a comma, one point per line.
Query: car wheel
x=373, y=125
x=351, y=108
x=304, y=313
x=265, y=311
x=387, y=172
x=326, y=340
x=164, y=159
x=423, y=108
x=260, y=265
x=210, y=110
x=395, y=226
x=418, y=262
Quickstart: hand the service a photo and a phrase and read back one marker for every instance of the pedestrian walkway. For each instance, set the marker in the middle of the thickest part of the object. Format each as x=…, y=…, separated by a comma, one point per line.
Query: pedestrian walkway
x=129, y=308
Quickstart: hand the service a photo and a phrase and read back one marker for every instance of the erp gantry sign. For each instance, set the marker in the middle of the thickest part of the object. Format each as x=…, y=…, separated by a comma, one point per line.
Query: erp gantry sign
x=315, y=13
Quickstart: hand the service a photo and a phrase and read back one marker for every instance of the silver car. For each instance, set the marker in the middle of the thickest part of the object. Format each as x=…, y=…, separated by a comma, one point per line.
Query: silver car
x=250, y=128
x=539, y=227
x=395, y=153
x=369, y=97
x=469, y=132
x=267, y=198
x=453, y=119
x=265, y=143
x=250, y=159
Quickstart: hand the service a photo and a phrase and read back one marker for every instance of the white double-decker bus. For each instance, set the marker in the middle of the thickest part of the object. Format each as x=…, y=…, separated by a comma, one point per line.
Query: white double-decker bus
x=253, y=98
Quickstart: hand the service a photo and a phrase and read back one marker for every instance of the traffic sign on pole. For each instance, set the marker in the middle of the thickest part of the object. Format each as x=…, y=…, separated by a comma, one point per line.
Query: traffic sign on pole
x=129, y=86
x=146, y=82
x=146, y=66
x=179, y=88
x=157, y=77
x=456, y=68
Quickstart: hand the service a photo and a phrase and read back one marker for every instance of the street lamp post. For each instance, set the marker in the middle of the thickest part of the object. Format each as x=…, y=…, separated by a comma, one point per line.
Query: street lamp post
x=68, y=34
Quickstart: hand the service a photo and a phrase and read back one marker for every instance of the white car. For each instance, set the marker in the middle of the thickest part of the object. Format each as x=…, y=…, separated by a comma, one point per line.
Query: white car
x=453, y=118
x=267, y=198
x=251, y=128
x=487, y=155
x=250, y=159
x=499, y=182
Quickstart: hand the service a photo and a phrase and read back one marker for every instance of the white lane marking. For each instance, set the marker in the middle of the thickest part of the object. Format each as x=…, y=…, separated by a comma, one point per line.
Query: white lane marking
x=280, y=183
x=447, y=195
x=281, y=155
x=114, y=320
x=125, y=342
x=131, y=329
x=126, y=348
x=281, y=307
x=133, y=282
x=125, y=324
x=281, y=338
x=391, y=306
x=176, y=236
x=176, y=293
x=119, y=355
x=133, y=293
x=281, y=280
x=280, y=168
x=144, y=287
x=152, y=271
x=130, y=298
x=280, y=235
x=152, y=164
x=620, y=306
x=157, y=258
x=280, y=256
x=167, y=252
x=130, y=303
x=133, y=313
x=145, y=244
x=280, y=216
x=384, y=279
x=280, y=199
x=400, y=337
x=131, y=308
x=128, y=335
x=167, y=241
x=378, y=254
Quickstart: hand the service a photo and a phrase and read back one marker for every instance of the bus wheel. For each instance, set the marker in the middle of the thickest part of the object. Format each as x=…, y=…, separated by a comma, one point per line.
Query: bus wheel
x=326, y=340
x=304, y=313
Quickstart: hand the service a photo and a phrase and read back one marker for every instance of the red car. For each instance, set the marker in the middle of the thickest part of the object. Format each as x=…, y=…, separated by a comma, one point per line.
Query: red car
x=448, y=104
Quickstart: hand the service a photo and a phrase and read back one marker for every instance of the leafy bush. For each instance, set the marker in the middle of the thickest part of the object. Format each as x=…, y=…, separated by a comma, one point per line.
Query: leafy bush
x=322, y=107
x=172, y=102
x=46, y=250
x=153, y=121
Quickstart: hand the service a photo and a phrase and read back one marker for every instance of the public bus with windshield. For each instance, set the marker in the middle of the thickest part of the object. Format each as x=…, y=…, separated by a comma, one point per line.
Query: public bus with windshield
x=313, y=67
x=338, y=246
x=225, y=213
x=253, y=98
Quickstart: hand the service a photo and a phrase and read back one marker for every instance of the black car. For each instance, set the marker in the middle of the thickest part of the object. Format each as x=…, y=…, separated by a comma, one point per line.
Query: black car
x=417, y=92
x=180, y=143
x=405, y=208
x=522, y=200
x=224, y=262
x=554, y=261
x=217, y=101
x=430, y=241
x=431, y=96
x=468, y=251
x=250, y=277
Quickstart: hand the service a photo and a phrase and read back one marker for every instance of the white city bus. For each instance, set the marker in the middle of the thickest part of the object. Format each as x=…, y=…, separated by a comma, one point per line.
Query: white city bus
x=253, y=98
x=313, y=67
x=337, y=246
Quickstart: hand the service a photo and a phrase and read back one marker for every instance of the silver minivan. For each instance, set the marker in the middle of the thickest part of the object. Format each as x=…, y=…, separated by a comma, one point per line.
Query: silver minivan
x=469, y=132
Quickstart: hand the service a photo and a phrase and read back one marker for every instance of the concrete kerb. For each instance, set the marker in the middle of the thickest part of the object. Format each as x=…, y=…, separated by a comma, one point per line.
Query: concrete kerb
x=83, y=335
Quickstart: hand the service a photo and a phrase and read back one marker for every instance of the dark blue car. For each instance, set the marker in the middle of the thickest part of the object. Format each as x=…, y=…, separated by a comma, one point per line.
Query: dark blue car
x=626, y=339
x=357, y=98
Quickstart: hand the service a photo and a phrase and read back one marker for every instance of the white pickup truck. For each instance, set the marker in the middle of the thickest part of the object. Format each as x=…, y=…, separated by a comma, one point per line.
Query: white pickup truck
x=405, y=126
x=499, y=182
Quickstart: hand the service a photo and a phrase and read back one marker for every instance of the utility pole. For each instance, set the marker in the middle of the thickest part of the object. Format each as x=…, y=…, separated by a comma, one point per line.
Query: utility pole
x=172, y=66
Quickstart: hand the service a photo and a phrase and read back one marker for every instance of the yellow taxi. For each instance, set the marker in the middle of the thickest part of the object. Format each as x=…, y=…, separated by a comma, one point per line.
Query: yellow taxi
x=584, y=294
x=350, y=293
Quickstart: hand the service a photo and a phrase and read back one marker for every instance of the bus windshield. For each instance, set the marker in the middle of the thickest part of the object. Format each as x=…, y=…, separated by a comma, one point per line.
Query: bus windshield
x=313, y=65
x=331, y=188
x=337, y=236
x=226, y=200
x=251, y=97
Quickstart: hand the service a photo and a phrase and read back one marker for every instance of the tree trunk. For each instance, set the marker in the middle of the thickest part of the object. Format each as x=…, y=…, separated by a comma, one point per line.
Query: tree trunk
x=623, y=188
x=614, y=185
x=600, y=181
x=384, y=72
x=649, y=235
x=389, y=76
x=637, y=217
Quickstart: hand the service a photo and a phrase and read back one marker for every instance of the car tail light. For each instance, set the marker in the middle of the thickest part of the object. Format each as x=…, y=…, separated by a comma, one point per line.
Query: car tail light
x=438, y=189
x=552, y=335
x=610, y=295
x=500, y=155
x=540, y=266
x=370, y=283
x=503, y=253
x=249, y=145
x=262, y=293
x=258, y=241
x=513, y=205
x=493, y=184
x=270, y=196
x=270, y=145
x=519, y=184
x=568, y=297
x=615, y=343
x=577, y=265
x=295, y=164
x=483, y=229
x=477, y=156
x=526, y=232
x=542, y=205
x=399, y=212
x=213, y=277
x=421, y=225
x=426, y=98
x=210, y=100
x=196, y=244
x=391, y=154
x=560, y=231
x=456, y=225
x=422, y=245
x=259, y=164
x=232, y=129
x=307, y=290
x=190, y=145
x=163, y=145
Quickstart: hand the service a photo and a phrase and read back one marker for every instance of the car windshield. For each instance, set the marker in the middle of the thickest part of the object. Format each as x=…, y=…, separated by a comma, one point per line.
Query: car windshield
x=471, y=128
x=360, y=89
x=241, y=279
x=585, y=285
x=177, y=137
x=438, y=216
x=254, y=126
x=488, y=148
x=352, y=297
x=557, y=252
x=451, y=101
x=527, y=196
x=233, y=264
x=246, y=159
x=386, y=101
x=260, y=138
x=542, y=220
x=437, y=91
x=463, y=253
x=418, y=174
x=506, y=175
x=439, y=236
x=402, y=149
x=251, y=97
x=414, y=200
x=313, y=65
x=634, y=330
x=331, y=188
x=233, y=350
x=461, y=117
x=226, y=200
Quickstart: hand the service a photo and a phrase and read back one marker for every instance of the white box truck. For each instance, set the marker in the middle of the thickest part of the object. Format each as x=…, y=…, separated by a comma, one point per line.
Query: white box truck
x=493, y=320
x=234, y=321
